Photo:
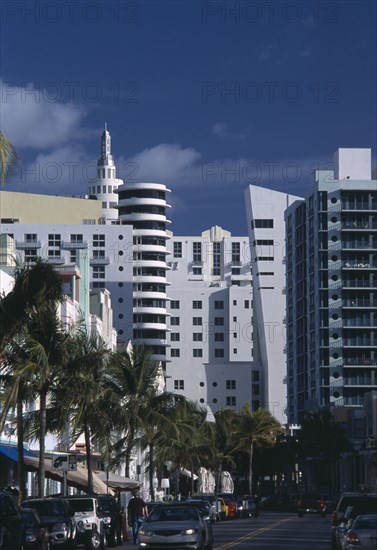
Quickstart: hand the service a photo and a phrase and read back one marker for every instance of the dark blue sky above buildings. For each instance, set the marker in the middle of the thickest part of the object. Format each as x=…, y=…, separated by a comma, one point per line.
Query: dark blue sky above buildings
x=206, y=97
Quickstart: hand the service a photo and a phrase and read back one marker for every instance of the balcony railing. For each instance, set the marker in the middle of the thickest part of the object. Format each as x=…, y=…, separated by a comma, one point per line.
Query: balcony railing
x=22, y=245
x=358, y=361
x=357, y=264
x=360, y=303
x=359, y=342
x=71, y=245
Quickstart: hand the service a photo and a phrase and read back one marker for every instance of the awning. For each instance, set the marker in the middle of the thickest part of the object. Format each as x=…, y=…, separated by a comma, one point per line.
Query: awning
x=78, y=478
x=120, y=483
x=11, y=452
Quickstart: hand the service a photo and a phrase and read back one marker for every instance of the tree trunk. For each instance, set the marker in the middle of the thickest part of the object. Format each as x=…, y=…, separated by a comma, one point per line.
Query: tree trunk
x=42, y=437
x=88, y=459
x=251, y=468
x=151, y=470
x=20, y=445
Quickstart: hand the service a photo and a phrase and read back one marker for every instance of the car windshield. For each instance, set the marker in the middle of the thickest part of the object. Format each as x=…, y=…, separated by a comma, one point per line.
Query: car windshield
x=47, y=507
x=82, y=505
x=359, y=503
x=29, y=519
x=178, y=513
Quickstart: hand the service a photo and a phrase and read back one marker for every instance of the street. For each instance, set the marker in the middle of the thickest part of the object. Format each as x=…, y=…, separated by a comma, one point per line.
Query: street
x=272, y=531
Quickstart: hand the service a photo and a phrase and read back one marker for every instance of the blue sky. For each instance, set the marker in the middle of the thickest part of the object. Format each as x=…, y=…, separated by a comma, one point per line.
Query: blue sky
x=206, y=97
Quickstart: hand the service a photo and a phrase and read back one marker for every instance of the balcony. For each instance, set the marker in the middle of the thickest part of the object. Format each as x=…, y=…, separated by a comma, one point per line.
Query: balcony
x=359, y=264
x=28, y=245
x=360, y=302
x=360, y=361
x=70, y=245
x=359, y=342
x=99, y=261
x=56, y=260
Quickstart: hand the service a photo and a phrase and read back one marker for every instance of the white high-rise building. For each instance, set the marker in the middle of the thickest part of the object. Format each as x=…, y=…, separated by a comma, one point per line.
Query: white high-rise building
x=211, y=320
x=266, y=226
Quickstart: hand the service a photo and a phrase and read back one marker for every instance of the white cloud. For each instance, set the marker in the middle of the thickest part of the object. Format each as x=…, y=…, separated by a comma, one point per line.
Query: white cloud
x=30, y=119
x=165, y=163
x=221, y=129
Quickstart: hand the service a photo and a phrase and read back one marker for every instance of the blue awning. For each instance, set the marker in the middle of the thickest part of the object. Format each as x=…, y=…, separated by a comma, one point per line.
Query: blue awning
x=10, y=451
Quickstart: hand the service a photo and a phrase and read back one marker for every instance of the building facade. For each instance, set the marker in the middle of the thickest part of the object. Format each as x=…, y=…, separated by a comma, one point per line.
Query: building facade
x=331, y=288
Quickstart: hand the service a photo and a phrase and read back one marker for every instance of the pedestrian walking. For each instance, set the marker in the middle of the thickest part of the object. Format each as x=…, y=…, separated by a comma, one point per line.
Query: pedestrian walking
x=137, y=511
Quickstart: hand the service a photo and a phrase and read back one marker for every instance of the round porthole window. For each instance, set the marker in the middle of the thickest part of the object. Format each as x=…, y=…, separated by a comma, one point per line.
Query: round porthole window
x=334, y=258
x=335, y=336
x=335, y=316
x=120, y=237
x=120, y=331
x=334, y=238
x=214, y=384
x=120, y=252
x=120, y=315
x=120, y=268
x=120, y=284
x=214, y=400
x=334, y=219
x=334, y=297
x=336, y=394
x=334, y=200
x=334, y=277
x=201, y=400
x=336, y=375
x=335, y=355
x=201, y=384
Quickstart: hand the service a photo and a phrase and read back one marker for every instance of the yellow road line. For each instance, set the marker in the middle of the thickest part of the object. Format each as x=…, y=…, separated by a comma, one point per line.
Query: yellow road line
x=252, y=534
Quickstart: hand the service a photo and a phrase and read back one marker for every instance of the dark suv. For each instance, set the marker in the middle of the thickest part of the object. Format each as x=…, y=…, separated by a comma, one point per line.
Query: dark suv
x=361, y=503
x=56, y=514
x=112, y=519
x=10, y=523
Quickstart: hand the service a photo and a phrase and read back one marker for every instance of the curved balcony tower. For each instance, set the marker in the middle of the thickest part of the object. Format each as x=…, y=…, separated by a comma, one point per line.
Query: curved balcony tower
x=104, y=187
x=144, y=206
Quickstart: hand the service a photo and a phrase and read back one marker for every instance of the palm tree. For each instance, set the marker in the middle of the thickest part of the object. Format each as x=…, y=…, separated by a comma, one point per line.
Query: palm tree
x=225, y=441
x=131, y=377
x=8, y=156
x=81, y=398
x=45, y=342
x=157, y=418
x=34, y=285
x=256, y=429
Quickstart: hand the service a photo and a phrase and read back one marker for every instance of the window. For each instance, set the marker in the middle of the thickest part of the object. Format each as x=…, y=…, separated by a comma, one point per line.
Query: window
x=236, y=256
x=98, y=254
x=197, y=304
x=219, y=304
x=174, y=352
x=54, y=239
x=30, y=255
x=234, y=302
x=230, y=401
x=177, y=250
x=265, y=258
x=76, y=238
x=216, y=259
x=98, y=240
x=174, y=304
x=219, y=352
x=179, y=384
x=197, y=352
x=219, y=321
x=197, y=321
x=219, y=337
x=255, y=376
x=98, y=284
x=197, y=252
x=174, y=337
x=54, y=253
x=246, y=304
x=235, y=319
x=265, y=273
x=197, y=271
x=235, y=351
x=99, y=272
x=236, y=271
x=174, y=321
x=30, y=237
x=197, y=336
x=256, y=389
x=264, y=242
x=230, y=384
x=73, y=257
x=262, y=224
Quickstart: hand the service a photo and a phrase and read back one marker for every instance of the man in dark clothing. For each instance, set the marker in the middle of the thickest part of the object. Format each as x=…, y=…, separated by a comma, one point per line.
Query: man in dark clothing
x=137, y=511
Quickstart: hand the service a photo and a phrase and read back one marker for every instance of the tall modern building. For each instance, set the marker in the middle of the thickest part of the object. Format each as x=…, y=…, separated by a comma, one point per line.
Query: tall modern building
x=143, y=207
x=332, y=288
x=211, y=320
x=266, y=227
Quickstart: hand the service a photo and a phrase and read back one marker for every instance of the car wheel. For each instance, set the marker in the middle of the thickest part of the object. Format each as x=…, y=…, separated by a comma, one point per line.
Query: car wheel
x=95, y=541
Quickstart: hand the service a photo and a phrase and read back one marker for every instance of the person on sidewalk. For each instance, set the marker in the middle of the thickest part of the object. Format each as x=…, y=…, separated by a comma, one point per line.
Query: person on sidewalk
x=137, y=511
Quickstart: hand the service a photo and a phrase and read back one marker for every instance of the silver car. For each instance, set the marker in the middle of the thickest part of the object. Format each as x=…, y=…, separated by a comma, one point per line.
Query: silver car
x=173, y=526
x=362, y=533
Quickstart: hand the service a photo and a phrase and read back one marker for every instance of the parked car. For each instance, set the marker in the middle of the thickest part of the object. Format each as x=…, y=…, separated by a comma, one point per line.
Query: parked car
x=368, y=502
x=246, y=507
x=212, y=499
x=357, y=503
x=10, y=523
x=172, y=526
x=205, y=511
x=89, y=519
x=311, y=503
x=56, y=514
x=232, y=507
x=35, y=535
x=222, y=508
x=361, y=533
x=112, y=519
